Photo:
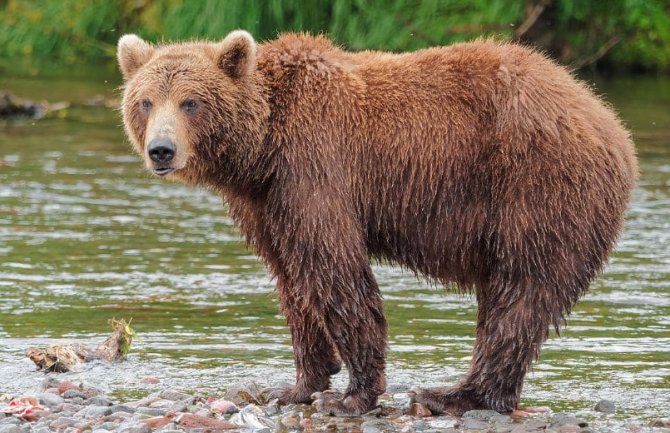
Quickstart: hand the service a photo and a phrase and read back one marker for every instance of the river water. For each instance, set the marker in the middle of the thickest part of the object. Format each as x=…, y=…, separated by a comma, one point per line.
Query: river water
x=86, y=235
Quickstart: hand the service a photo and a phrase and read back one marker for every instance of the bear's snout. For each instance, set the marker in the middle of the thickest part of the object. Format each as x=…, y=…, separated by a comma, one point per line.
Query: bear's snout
x=161, y=151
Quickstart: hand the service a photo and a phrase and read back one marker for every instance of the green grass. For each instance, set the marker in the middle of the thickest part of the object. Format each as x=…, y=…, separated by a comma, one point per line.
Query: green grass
x=622, y=33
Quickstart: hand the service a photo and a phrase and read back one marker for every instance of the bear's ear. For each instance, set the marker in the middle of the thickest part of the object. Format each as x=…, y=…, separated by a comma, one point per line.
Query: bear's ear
x=236, y=54
x=132, y=52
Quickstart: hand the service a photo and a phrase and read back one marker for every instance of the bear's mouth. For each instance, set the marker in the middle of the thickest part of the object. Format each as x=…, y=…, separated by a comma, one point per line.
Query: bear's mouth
x=163, y=171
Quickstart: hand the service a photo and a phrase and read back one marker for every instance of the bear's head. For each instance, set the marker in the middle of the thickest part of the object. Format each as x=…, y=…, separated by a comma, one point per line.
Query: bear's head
x=195, y=111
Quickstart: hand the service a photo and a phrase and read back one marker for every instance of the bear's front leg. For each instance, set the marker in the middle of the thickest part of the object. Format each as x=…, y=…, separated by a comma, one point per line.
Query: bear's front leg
x=321, y=254
x=355, y=320
x=315, y=358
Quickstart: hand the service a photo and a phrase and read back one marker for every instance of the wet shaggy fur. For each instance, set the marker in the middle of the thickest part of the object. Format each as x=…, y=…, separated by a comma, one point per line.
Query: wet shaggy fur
x=482, y=164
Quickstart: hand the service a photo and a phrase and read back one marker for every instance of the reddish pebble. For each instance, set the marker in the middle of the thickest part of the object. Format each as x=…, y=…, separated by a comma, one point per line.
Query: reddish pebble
x=191, y=420
x=66, y=385
x=150, y=380
x=417, y=409
x=157, y=422
x=222, y=406
x=523, y=412
x=52, y=391
x=306, y=423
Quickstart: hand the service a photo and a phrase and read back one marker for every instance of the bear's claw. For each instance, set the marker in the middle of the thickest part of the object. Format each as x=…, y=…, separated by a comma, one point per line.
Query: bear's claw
x=337, y=404
x=288, y=395
x=446, y=400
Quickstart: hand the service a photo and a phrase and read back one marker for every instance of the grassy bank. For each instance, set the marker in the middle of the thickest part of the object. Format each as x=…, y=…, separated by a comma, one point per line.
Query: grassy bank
x=615, y=35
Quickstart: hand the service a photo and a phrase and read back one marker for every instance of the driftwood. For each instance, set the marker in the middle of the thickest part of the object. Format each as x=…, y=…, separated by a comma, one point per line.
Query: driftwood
x=14, y=107
x=62, y=358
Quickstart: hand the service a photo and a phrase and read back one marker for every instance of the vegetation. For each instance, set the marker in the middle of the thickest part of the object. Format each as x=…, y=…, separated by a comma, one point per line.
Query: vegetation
x=621, y=34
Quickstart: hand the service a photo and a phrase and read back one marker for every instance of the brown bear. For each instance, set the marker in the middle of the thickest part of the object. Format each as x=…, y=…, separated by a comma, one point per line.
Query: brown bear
x=482, y=165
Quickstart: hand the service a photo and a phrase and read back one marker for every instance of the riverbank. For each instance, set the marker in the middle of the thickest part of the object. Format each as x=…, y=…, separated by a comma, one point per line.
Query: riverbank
x=73, y=407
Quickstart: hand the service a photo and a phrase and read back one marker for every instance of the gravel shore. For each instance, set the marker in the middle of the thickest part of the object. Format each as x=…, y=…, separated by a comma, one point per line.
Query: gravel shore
x=70, y=407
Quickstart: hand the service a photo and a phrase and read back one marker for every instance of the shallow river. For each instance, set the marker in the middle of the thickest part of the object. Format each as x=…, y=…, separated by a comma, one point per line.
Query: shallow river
x=86, y=235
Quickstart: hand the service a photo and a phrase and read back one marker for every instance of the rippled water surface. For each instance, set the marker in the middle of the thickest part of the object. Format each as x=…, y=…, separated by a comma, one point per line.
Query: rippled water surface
x=87, y=235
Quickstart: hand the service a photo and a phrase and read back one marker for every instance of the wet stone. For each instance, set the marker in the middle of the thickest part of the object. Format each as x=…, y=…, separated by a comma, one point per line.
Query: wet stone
x=9, y=420
x=474, y=424
x=50, y=382
x=535, y=424
x=417, y=409
x=173, y=395
x=566, y=418
x=99, y=401
x=151, y=411
x=122, y=408
x=73, y=393
x=605, y=406
x=94, y=411
x=133, y=427
x=49, y=400
x=482, y=415
x=377, y=426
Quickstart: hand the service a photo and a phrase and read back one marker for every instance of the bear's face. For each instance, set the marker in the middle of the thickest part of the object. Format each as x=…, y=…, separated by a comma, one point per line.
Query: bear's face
x=186, y=106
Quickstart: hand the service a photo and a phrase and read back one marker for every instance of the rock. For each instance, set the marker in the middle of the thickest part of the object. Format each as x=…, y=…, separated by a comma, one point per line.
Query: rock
x=50, y=382
x=157, y=422
x=568, y=428
x=151, y=411
x=133, y=427
x=173, y=395
x=605, y=406
x=190, y=421
x=377, y=426
x=121, y=408
x=535, y=424
x=290, y=421
x=73, y=393
x=10, y=428
x=224, y=406
x=245, y=392
x=62, y=423
x=565, y=419
x=65, y=385
x=49, y=400
x=417, y=409
x=252, y=417
x=99, y=401
x=91, y=392
x=481, y=415
x=660, y=422
x=150, y=380
x=474, y=424
x=94, y=411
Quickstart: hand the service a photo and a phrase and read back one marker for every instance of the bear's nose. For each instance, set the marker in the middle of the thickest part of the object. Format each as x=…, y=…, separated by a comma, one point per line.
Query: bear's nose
x=161, y=150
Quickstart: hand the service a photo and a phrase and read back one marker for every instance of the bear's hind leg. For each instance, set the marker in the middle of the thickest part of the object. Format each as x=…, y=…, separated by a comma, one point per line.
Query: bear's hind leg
x=511, y=327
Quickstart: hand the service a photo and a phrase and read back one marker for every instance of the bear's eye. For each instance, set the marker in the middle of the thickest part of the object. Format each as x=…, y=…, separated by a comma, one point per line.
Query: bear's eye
x=189, y=106
x=146, y=105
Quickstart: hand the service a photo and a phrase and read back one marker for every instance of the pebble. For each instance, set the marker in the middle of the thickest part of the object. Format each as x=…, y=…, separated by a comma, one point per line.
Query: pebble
x=99, y=401
x=73, y=393
x=49, y=400
x=567, y=419
x=121, y=408
x=474, y=424
x=95, y=411
x=605, y=406
x=417, y=409
x=174, y=395
x=85, y=409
